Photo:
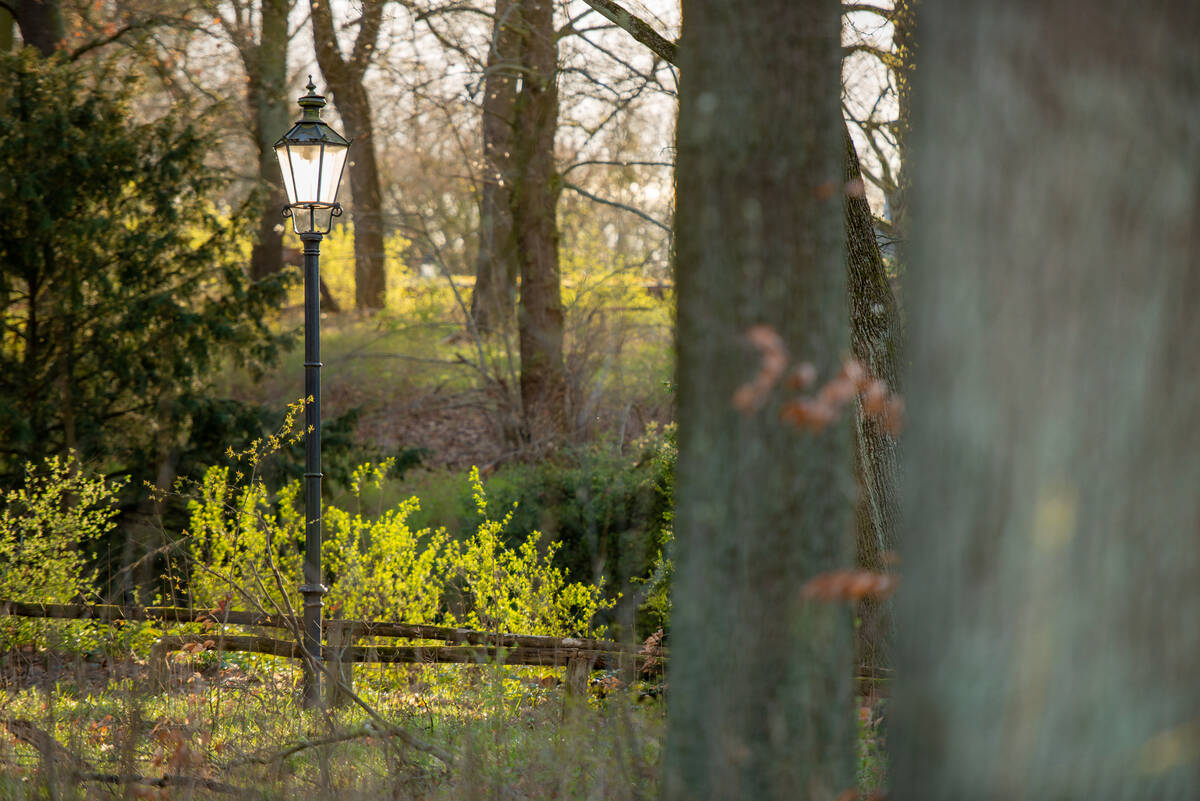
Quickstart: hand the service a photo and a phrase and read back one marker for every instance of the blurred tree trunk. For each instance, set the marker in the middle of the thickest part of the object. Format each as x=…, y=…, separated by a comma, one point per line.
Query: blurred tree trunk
x=345, y=77
x=1048, y=611
x=534, y=198
x=761, y=692
x=496, y=267
x=875, y=340
x=266, y=67
x=41, y=23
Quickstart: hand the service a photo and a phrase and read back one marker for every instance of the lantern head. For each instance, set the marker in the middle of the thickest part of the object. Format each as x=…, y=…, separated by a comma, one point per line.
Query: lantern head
x=311, y=157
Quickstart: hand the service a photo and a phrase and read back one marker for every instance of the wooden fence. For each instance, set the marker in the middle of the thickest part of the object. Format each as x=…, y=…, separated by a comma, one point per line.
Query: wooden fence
x=466, y=646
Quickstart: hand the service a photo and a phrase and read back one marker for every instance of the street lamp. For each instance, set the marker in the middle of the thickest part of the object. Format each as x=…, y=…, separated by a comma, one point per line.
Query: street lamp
x=311, y=157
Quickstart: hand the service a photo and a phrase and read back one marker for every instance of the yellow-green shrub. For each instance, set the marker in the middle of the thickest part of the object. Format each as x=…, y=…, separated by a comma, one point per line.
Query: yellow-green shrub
x=517, y=590
x=46, y=526
x=246, y=552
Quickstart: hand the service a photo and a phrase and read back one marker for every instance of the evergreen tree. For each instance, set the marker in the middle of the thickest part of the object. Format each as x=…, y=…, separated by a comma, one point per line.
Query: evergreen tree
x=122, y=286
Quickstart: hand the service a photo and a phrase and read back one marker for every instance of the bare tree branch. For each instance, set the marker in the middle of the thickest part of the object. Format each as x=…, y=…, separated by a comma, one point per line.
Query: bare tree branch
x=602, y=162
x=616, y=205
x=664, y=48
x=148, y=22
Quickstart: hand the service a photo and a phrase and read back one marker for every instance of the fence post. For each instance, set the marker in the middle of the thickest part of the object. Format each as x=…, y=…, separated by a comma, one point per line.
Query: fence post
x=339, y=638
x=160, y=670
x=579, y=665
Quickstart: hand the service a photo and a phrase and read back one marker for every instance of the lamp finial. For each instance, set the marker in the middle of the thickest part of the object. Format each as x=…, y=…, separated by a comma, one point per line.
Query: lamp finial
x=312, y=103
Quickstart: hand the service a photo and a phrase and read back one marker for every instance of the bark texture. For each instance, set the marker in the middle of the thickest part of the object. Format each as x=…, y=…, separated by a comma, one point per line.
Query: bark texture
x=496, y=268
x=534, y=200
x=874, y=340
x=345, y=77
x=1049, y=645
x=760, y=508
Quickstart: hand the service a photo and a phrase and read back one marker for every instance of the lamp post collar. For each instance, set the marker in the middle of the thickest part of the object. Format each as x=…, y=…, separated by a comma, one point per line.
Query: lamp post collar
x=312, y=103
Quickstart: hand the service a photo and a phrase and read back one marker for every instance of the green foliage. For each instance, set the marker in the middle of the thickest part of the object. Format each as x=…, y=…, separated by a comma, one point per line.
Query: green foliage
x=518, y=589
x=381, y=567
x=606, y=509
x=121, y=285
x=872, y=747
x=656, y=605
x=44, y=526
x=239, y=543
x=245, y=550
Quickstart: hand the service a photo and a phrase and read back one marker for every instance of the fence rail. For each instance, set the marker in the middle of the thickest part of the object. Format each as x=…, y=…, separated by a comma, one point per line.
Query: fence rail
x=467, y=646
x=356, y=628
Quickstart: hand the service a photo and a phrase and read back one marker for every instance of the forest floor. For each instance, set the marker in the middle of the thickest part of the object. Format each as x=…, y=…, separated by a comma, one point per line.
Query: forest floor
x=94, y=727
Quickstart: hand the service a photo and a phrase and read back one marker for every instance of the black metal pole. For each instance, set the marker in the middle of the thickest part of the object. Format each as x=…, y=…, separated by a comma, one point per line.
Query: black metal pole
x=312, y=588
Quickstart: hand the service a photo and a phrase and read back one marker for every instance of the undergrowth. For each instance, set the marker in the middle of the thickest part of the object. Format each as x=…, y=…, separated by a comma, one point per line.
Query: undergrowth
x=85, y=717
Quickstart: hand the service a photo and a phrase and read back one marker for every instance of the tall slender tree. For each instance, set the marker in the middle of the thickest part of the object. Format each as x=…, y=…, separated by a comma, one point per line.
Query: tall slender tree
x=496, y=266
x=263, y=50
x=1048, y=645
x=533, y=199
x=761, y=701
x=345, y=76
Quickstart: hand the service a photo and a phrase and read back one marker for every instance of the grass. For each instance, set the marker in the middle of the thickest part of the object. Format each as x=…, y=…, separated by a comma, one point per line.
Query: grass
x=508, y=735
x=417, y=373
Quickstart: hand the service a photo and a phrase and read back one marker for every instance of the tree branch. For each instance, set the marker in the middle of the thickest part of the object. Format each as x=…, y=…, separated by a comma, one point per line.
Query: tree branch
x=329, y=55
x=368, y=35
x=54, y=751
x=602, y=162
x=303, y=745
x=615, y=204
x=664, y=48
x=149, y=22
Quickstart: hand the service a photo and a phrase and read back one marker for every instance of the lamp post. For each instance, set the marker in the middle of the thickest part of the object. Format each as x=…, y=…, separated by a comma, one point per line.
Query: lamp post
x=311, y=157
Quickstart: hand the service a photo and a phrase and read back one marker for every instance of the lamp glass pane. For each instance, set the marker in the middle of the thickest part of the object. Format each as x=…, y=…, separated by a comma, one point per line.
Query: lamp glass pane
x=285, y=167
x=331, y=172
x=306, y=172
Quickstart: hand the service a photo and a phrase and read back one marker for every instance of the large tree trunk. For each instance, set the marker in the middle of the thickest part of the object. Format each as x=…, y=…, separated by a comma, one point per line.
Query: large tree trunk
x=345, y=77
x=41, y=24
x=496, y=267
x=1049, y=606
x=761, y=692
x=268, y=101
x=534, y=200
x=875, y=341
